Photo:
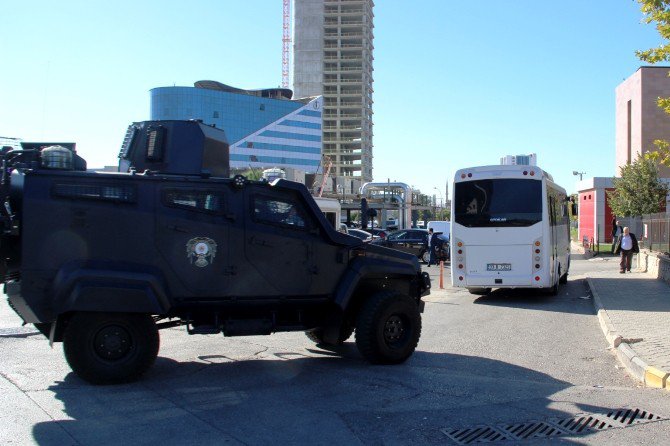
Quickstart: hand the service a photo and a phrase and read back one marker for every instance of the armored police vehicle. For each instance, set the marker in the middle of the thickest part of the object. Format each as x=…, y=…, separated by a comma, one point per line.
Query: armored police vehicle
x=102, y=261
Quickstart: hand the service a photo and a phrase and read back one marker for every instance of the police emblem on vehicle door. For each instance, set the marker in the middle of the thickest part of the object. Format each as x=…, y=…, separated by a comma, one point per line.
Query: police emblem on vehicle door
x=201, y=251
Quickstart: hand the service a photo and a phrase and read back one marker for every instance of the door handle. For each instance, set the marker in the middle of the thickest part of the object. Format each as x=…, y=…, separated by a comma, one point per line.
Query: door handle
x=178, y=228
x=259, y=242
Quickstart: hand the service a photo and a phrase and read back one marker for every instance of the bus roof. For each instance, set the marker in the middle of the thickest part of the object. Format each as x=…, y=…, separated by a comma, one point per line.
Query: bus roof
x=507, y=171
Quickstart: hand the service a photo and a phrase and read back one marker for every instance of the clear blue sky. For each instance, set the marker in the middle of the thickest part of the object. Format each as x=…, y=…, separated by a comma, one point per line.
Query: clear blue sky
x=457, y=83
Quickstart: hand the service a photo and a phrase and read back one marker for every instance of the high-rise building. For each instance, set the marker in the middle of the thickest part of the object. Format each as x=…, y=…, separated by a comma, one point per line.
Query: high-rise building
x=332, y=57
x=639, y=119
x=265, y=128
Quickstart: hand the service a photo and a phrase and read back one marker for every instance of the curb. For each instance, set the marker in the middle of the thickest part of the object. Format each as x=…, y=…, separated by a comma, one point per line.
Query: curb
x=636, y=366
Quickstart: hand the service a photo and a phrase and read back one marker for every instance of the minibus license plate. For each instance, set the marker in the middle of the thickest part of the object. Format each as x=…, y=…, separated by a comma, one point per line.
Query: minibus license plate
x=498, y=267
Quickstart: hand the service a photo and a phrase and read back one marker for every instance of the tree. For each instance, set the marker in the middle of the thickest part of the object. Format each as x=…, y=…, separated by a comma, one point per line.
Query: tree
x=658, y=12
x=638, y=191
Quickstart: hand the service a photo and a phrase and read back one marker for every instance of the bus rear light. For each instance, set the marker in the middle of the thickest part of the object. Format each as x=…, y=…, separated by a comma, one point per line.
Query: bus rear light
x=460, y=266
x=460, y=277
x=537, y=259
x=460, y=251
x=537, y=243
x=469, y=175
x=525, y=172
x=459, y=244
x=537, y=278
x=537, y=266
x=462, y=175
x=537, y=251
x=532, y=173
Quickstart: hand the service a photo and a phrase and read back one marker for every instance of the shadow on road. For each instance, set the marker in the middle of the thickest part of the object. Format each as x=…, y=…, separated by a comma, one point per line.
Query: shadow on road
x=574, y=297
x=296, y=398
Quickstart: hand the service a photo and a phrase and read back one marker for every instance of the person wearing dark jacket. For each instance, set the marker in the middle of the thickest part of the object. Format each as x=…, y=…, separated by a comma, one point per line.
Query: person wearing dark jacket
x=436, y=244
x=626, y=245
x=617, y=230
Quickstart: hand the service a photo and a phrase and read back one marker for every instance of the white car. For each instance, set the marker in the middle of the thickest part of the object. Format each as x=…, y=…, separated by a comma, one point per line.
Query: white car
x=365, y=236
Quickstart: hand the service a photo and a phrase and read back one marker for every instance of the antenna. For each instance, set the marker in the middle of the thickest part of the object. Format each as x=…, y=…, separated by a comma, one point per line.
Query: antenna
x=286, y=43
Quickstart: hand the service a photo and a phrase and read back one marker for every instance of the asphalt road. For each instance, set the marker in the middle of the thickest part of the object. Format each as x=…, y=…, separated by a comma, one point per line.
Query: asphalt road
x=508, y=359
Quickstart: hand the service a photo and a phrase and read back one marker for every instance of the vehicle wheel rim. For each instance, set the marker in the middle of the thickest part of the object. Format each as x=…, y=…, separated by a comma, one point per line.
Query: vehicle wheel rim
x=394, y=330
x=112, y=342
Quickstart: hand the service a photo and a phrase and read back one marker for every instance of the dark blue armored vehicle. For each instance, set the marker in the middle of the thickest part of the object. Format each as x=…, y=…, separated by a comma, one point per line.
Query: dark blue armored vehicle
x=102, y=261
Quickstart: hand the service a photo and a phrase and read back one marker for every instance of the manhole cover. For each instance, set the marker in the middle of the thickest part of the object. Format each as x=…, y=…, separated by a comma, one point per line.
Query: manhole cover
x=579, y=424
x=18, y=332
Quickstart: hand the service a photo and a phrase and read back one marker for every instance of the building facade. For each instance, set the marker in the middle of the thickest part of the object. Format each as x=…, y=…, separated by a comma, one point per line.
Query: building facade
x=595, y=214
x=265, y=128
x=639, y=119
x=332, y=57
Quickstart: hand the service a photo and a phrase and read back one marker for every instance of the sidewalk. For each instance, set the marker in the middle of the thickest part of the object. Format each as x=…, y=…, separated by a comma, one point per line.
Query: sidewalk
x=634, y=313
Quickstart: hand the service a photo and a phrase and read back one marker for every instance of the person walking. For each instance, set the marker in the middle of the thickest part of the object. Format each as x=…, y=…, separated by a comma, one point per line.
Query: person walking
x=626, y=245
x=431, y=251
x=617, y=230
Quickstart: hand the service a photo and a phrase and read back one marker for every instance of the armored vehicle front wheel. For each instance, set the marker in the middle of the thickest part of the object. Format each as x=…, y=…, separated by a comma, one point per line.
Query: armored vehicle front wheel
x=110, y=348
x=316, y=335
x=388, y=328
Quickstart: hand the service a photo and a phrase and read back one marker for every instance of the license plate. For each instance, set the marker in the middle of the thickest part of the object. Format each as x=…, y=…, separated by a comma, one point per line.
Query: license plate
x=498, y=267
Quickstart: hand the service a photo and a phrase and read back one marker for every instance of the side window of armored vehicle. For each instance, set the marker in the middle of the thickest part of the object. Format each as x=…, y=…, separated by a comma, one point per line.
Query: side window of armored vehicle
x=195, y=200
x=281, y=212
x=96, y=191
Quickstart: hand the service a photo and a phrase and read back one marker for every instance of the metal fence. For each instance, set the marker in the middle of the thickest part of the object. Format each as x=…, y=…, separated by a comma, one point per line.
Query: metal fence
x=656, y=232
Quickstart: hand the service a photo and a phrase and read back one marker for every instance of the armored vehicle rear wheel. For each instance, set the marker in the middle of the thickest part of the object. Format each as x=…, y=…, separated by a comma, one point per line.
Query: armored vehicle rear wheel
x=388, y=328
x=110, y=348
x=316, y=335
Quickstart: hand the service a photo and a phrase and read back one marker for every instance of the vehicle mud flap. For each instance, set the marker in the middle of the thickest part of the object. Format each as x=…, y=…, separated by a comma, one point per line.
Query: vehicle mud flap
x=52, y=333
x=332, y=328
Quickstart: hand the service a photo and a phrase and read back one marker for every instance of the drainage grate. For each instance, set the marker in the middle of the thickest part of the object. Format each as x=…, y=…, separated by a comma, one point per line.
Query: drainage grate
x=582, y=424
x=632, y=416
x=579, y=424
x=525, y=431
x=476, y=434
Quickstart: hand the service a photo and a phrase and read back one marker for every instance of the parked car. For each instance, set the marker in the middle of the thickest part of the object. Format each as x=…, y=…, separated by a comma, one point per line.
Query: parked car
x=440, y=227
x=377, y=232
x=413, y=241
x=363, y=235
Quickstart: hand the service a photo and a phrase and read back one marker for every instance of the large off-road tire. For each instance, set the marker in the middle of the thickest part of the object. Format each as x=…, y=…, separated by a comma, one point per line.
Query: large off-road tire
x=388, y=328
x=316, y=335
x=110, y=348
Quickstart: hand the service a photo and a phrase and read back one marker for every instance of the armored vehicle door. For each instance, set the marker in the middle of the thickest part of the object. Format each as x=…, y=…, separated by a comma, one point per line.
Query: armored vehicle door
x=279, y=241
x=192, y=234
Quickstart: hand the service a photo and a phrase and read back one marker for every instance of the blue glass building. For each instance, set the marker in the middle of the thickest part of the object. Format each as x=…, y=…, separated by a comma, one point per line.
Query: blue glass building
x=265, y=128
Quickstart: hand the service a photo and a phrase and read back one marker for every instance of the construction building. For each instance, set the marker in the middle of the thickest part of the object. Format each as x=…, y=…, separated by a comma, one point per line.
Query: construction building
x=265, y=128
x=639, y=119
x=332, y=57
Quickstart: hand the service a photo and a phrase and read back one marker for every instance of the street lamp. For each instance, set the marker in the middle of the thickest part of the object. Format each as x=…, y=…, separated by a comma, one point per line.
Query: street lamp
x=574, y=172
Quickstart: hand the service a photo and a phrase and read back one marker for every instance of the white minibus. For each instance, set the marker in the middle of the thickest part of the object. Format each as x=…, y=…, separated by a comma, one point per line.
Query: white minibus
x=509, y=229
